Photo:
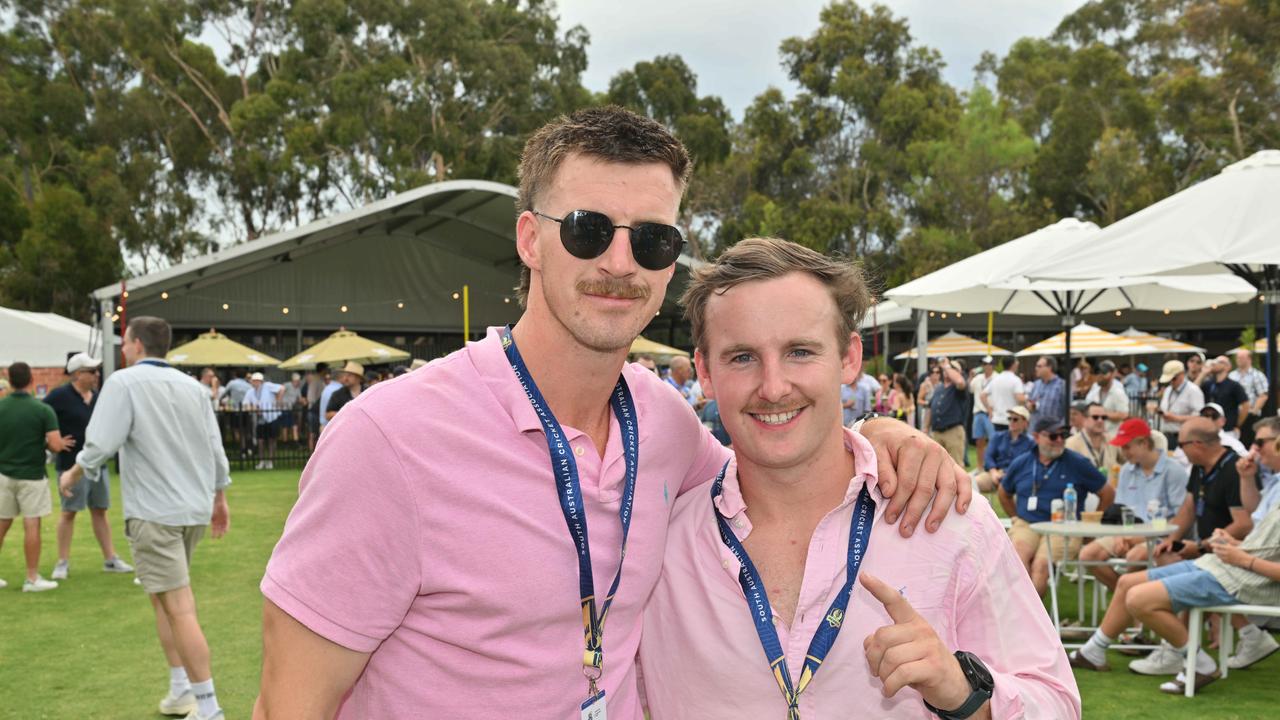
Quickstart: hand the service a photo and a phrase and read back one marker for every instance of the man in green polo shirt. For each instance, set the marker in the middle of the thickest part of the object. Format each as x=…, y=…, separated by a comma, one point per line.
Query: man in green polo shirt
x=27, y=427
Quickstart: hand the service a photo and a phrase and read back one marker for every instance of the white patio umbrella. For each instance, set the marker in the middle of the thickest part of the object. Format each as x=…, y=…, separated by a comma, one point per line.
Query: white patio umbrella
x=953, y=344
x=1230, y=221
x=1163, y=344
x=1088, y=340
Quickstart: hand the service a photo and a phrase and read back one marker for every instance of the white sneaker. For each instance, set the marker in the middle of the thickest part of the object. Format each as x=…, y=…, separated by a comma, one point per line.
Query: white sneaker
x=38, y=585
x=60, y=570
x=270, y=465
x=116, y=565
x=1164, y=660
x=3, y=584
x=1251, y=651
x=183, y=704
x=261, y=464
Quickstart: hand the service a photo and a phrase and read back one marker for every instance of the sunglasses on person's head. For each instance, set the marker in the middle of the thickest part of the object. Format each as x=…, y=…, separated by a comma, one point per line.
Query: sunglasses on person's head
x=586, y=234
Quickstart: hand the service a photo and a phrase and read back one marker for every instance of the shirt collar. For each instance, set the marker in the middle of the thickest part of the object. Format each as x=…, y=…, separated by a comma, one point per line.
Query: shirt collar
x=865, y=472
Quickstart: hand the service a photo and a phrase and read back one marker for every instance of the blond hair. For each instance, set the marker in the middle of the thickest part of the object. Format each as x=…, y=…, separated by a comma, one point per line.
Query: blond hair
x=768, y=258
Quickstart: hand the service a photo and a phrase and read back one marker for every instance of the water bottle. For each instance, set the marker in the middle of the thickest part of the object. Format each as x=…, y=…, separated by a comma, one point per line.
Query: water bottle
x=1071, y=511
x=1154, y=510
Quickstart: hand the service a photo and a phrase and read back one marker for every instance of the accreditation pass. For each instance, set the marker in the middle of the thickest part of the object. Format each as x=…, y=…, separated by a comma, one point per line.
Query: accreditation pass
x=593, y=708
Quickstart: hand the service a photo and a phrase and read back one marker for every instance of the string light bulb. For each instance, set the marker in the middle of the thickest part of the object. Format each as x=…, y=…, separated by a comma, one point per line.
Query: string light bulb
x=119, y=308
x=1117, y=313
x=284, y=310
x=164, y=295
x=400, y=305
x=455, y=296
x=226, y=306
x=506, y=300
x=343, y=308
x=932, y=314
x=1166, y=311
x=126, y=294
x=944, y=316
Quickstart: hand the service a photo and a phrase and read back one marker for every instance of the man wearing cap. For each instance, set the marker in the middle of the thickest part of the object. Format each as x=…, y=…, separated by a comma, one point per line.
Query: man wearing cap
x=1230, y=395
x=1005, y=446
x=1214, y=412
x=1108, y=391
x=1196, y=367
x=1135, y=383
x=1091, y=440
x=27, y=428
x=351, y=377
x=73, y=403
x=1181, y=401
x=1148, y=474
x=1256, y=386
x=1031, y=484
x=267, y=398
x=983, y=428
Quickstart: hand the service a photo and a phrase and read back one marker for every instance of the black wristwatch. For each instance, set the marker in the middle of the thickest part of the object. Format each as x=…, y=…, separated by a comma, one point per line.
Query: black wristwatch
x=980, y=680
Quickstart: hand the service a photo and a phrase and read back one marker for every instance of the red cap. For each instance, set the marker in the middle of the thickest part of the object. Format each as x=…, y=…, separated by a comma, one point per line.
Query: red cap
x=1130, y=429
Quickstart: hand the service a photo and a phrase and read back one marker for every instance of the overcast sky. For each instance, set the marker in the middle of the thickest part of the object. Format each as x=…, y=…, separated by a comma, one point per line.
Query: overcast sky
x=732, y=45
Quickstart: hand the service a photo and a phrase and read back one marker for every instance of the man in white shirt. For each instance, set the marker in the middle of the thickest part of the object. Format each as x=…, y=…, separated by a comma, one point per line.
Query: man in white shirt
x=983, y=430
x=268, y=399
x=1000, y=394
x=1181, y=401
x=1109, y=392
x=1255, y=385
x=173, y=474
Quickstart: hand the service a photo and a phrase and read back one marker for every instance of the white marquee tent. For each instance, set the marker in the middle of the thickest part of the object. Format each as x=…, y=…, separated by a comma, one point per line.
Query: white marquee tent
x=42, y=339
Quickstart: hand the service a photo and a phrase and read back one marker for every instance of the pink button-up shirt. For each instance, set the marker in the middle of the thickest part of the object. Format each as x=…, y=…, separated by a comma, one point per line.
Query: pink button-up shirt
x=428, y=532
x=702, y=658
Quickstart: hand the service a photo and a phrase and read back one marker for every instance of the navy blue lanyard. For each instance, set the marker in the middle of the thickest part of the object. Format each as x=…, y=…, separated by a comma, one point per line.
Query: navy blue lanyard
x=569, y=489
x=153, y=361
x=824, y=638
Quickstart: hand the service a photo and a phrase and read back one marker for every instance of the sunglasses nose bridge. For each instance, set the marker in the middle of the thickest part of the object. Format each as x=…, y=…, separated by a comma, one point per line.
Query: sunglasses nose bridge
x=618, y=259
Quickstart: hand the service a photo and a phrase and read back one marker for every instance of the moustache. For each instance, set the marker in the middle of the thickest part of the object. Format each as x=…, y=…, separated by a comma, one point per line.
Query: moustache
x=613, y=288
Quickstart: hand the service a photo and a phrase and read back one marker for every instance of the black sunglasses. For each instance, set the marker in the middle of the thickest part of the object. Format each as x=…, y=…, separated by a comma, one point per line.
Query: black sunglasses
x=1055, y=436
x=1098, y=417
x=586, y=234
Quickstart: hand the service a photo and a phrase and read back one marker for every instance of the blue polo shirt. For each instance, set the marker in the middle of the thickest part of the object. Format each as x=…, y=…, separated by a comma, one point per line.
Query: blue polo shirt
x=1003, y=450
x=1028, y=476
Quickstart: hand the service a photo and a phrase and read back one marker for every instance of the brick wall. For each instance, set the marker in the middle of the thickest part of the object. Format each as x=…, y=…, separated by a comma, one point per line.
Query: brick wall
x=50, y=378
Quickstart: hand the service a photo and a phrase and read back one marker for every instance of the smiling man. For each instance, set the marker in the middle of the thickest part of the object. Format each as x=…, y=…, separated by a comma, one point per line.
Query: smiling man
x=783, y=592
x=460, y=532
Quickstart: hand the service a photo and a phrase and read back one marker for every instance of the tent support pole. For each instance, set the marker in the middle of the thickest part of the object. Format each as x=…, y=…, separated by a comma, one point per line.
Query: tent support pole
x=108, y=331
x=922, y=355
x=1273, y=362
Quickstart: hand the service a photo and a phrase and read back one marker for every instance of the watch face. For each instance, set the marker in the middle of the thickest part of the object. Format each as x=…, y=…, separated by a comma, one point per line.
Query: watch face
x=978, y=674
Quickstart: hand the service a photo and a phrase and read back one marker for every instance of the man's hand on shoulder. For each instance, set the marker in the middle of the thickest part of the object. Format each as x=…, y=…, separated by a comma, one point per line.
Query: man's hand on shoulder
x=912, y=469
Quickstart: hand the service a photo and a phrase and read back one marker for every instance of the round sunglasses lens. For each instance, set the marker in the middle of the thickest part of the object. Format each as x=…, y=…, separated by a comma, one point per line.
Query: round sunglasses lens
x=655, y=246
x=586, y=234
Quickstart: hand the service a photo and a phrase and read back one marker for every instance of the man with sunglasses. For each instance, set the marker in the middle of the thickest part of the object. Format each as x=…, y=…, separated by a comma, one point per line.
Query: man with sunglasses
x=1034, y=480
x=1213, y=499
x=1092, y=440
x=1230, y=395
x=1110, y=392
x=1005, y=446
x=461, y=531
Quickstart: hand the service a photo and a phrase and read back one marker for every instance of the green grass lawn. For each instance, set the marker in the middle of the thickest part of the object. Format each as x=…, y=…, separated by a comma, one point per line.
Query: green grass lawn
x=88, y=649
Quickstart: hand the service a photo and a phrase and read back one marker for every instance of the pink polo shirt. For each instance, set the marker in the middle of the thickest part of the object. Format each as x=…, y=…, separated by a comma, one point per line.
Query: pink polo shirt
x=428, y=532
x=702, y=658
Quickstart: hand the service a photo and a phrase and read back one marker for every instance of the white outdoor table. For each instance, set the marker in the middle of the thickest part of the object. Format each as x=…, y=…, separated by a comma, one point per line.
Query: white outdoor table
x=1068, y=530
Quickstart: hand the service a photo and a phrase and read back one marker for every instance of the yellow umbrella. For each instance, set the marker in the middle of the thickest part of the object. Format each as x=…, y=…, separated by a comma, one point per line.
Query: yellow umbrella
x=1087, y=340
x=1259, y=347
x=953, y=344
x=214, y=349
x=342, y=346
x=643, y=345
x=1163, y=344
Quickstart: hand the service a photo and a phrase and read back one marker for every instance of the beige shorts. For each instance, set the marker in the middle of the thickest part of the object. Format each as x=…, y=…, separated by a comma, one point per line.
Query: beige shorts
x=1022, y=534
x=162, y=553
x=24, y=498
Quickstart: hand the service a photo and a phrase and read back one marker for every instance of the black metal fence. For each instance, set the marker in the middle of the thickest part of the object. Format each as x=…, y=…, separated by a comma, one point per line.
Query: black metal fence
x=257, y=439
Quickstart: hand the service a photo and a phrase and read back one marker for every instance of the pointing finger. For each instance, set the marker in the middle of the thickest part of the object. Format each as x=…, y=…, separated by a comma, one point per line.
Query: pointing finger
x=894, y=603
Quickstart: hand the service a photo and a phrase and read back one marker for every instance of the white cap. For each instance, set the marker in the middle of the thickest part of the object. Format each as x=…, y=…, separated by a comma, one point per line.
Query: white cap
x=81, y=361
x=257, y=376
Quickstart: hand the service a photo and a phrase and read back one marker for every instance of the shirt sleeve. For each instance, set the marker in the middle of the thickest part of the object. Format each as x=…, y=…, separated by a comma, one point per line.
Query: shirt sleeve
x=222, y=469
x=1175, y=488
x=989, y=457
x=1032, y=677
x=50, y=418
x=108, y=428
x=1010, y=474
x=1091, y=479
x=708, y=458
x=349, y=564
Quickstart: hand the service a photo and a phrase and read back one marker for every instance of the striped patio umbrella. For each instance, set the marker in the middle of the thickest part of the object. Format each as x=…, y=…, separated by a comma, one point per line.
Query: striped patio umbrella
x=953, y=344
x=1087, y=340
x=213, y=349
x=1258, y=347
x=1163, y=344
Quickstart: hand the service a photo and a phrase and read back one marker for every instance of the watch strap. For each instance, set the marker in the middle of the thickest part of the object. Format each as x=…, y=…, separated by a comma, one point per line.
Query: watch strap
x=976, y=698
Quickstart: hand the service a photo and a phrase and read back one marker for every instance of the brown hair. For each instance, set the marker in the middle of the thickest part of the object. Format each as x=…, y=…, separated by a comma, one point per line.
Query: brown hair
x=20, y=375
x=608, y=133
x=767, y=258
x=154, y=334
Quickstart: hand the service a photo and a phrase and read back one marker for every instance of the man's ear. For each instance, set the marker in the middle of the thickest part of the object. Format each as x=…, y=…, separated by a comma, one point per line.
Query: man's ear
x=527, y=237
x=851, y=363
x=704, y=375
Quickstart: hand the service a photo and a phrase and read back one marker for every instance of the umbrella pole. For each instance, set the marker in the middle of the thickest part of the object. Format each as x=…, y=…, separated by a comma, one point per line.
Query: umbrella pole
x=1273, y=362
x=1066, y=370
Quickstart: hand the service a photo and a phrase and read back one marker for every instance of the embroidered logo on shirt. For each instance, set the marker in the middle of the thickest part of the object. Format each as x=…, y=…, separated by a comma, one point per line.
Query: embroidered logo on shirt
x=836, y=618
